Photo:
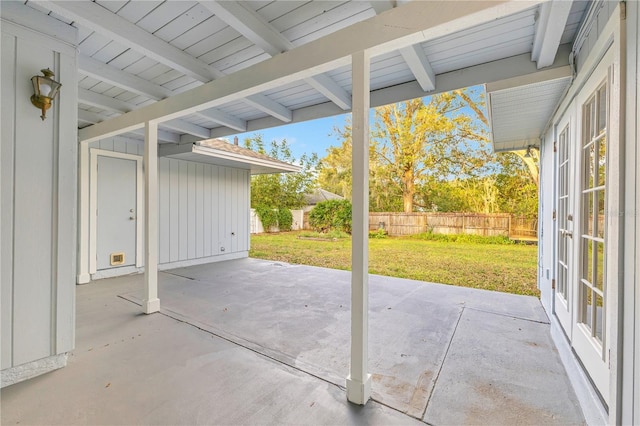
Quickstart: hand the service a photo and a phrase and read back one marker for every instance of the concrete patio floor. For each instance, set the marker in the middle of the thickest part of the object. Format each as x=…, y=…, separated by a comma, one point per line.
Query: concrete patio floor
x=259, y=342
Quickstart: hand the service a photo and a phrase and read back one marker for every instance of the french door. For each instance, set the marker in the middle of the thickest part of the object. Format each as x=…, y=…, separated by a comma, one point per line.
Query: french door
x=583, y=203
x=563, y=293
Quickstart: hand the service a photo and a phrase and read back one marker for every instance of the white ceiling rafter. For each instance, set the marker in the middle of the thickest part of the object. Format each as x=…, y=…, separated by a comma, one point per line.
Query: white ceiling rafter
x=414, y=56
x=112, y=75
x=419, y=65
x=116, y=105
x=124, y=32
x=550, y=25
x=223, y=118
x=266, y=105
x=103, y=21
x=140, y=86
x=382, y=5
x=93, y=118
x=413, y=23
x=255, y=28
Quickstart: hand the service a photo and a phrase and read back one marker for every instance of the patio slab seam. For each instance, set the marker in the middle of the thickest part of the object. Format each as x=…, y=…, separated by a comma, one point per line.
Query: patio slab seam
x=238, y=341
x=508, y=316
x=444, y=358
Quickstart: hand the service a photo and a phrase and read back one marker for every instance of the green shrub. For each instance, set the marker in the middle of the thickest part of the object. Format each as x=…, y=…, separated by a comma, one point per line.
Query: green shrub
x=378, y=234
x=285, y=219
x=268, y=217
x=331, y=215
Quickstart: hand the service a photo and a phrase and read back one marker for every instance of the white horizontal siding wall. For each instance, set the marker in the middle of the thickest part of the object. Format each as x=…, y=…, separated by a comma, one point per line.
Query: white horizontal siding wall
x=204, y=209
x=38, y=198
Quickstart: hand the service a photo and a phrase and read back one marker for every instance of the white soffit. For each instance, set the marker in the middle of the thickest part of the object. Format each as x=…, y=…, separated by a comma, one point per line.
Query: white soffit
x=222, y=153
x=520, y=114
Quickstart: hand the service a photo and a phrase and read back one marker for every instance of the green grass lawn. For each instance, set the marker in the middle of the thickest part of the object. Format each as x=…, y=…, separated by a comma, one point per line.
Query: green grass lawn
x=507, y=268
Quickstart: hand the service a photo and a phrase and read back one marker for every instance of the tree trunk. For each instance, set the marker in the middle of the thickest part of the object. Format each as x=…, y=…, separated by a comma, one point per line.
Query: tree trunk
x=408, y=189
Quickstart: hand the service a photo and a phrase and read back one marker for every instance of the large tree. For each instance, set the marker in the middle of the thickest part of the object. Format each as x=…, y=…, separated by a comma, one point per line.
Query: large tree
x=413, y=145
x=435, y=156
x=282, y=190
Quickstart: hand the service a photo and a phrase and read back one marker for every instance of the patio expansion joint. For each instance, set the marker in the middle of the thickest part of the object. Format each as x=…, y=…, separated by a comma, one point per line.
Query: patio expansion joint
x=179, y=318
x=444, y=359
x=178, y=275
x=510, y=316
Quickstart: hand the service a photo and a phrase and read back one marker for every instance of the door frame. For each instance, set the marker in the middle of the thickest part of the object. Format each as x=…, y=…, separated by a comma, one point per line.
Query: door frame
x=93, y=203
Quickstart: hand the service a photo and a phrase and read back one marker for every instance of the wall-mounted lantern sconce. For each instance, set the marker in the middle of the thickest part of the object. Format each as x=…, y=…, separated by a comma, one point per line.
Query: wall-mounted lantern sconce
x=45, y=89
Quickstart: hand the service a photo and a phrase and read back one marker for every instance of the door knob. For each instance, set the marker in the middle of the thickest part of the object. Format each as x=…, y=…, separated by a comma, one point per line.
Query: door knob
x=132, y=218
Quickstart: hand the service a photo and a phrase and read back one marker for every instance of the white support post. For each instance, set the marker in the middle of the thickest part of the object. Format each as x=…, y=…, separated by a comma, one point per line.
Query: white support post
x=359, y=380
x=151, y=302
x=83, y=215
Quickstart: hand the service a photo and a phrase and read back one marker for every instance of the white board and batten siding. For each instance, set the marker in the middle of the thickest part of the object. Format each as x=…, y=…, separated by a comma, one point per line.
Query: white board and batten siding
x=38, y=178
x=204, y=211
x=203, y=208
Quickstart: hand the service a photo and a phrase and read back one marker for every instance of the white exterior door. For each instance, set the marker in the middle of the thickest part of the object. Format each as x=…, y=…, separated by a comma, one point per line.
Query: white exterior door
x=583, y=206
x=116, y=212
x=589, y=338
x=565, y=193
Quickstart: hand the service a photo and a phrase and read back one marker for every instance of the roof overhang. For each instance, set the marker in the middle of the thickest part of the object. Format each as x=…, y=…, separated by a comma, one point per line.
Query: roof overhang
x=232, y=156
x=520, y=111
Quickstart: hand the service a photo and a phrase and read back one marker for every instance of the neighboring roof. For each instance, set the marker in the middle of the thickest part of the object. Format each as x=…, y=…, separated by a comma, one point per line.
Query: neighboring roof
x=222, y=153
x=320, y=195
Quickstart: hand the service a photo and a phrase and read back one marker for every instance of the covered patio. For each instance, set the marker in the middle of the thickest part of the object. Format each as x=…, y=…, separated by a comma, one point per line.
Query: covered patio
x=250, y=341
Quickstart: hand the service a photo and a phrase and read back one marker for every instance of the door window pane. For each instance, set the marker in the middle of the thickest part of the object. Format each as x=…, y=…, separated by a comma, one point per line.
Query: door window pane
x=599, y=264
x=599, y=319
x=602, y=109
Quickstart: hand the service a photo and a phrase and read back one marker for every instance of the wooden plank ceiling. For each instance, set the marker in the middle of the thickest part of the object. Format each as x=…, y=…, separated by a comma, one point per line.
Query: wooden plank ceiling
x=134, y=53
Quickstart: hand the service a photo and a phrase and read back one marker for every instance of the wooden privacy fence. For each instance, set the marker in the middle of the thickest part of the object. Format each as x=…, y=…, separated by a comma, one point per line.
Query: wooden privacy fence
x=495, y=224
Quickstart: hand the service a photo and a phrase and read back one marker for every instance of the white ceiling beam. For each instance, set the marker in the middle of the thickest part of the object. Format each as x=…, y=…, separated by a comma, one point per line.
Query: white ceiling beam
x=419, y=65
x=112, y=75
x=551, y=22
x=105, y=22
x=256, y=29
x=412, y=23
x=270, y=107
x=382, y=5
x=116, y=105
x=223, y=118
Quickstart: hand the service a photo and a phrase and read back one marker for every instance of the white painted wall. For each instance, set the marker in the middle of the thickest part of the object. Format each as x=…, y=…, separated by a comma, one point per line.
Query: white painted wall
x=204, y=209
x=38, y=198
